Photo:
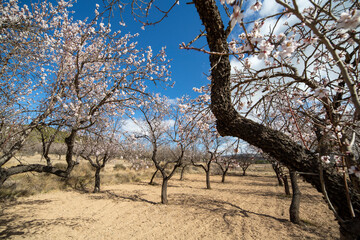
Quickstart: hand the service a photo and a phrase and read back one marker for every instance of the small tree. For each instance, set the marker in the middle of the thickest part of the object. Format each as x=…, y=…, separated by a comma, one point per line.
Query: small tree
x=166, y=128
x=244, y=161
x=98, y=146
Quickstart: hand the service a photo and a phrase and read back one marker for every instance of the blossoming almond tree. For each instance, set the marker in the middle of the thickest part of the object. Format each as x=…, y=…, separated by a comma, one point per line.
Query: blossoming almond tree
x=322, y=21
x=24, y=54
x=90, y=72
x=99, y=145
x=165, y=127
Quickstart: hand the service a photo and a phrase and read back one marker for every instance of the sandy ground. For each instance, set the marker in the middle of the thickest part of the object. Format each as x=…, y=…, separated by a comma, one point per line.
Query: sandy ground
x=249, y=207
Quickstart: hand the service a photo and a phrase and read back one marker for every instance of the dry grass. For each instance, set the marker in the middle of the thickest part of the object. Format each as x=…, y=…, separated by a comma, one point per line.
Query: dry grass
x=250, y=207
x=81, y=178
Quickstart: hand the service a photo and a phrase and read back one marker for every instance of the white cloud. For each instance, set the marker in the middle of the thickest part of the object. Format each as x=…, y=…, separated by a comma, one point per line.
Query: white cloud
x=130, y=126
x=269, y=7
x=140, y=127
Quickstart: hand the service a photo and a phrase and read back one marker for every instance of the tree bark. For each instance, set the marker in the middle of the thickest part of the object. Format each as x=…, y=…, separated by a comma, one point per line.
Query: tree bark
x=278, y=175
x=97, y=180
x=164, y=186
x=182, y=172
x=70, y=143
x=208, y=175
x=286, y=185
x=152, y=177
x=208, y=186
x=224, y=175
x=272, y=142
x=6, y=173
x=295, y=202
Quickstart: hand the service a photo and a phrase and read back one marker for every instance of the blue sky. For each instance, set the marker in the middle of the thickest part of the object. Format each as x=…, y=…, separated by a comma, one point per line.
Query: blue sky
x=182, y=25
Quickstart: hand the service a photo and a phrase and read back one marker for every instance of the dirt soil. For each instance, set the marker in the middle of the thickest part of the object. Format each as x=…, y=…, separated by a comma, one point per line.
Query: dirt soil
x=250, y=207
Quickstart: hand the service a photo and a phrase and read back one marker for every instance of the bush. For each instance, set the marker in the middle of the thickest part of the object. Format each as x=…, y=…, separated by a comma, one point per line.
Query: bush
x=61, y=166
x=127, y=177
x=119, y=166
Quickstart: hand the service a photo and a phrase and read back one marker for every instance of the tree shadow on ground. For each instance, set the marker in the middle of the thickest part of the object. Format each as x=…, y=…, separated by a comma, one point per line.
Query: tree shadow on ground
x=216, y=206
x=6, y=230
x=16, y=227
x=111, y=195
x=13, y=224
x=228, y=210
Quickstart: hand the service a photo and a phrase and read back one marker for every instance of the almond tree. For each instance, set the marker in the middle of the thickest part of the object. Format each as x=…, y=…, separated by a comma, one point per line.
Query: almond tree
x=86, y=72
x=167, y=130
x=100, y=145
x=331, y=25
x=323, y=22
x=213, y=146
x=25, y=49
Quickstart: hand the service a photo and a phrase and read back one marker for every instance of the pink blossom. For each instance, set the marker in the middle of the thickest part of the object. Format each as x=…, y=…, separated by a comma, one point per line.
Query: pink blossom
x=265, y=49
x=325, y=159
x=256, y=6
x=354, y=170
x=321, y=92
x=236, y=16
x=349, y=20
x=310, y=40
x=288, y=48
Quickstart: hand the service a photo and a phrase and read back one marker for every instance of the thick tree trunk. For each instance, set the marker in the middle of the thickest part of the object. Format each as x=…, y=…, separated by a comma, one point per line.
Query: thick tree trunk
x=6, y=173
x=153, y=176
x=244, y=171
x=275, y=143
x=295, y=202
x=97, y=180
x=70, y=143
x=164, y=186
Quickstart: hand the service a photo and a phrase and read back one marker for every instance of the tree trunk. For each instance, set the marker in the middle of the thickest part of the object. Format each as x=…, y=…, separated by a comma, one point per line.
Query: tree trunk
x=278, y=175
x=350, y=230
x=295, y=202
x=164, y=185
x=244, y=171
x=286, y=185
x=207, y=171
x=70, y=143
x=182, y=172
x=153, y=176
x=223, y=176
x=97, y=180
x=208, y=179
x=230, y=123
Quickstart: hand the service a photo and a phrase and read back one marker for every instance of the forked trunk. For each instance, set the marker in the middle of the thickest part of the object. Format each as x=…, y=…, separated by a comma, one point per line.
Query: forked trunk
x=295, y=202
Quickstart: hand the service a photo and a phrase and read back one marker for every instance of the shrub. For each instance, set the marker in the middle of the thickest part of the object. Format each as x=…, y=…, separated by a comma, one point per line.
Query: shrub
x=119, y=166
